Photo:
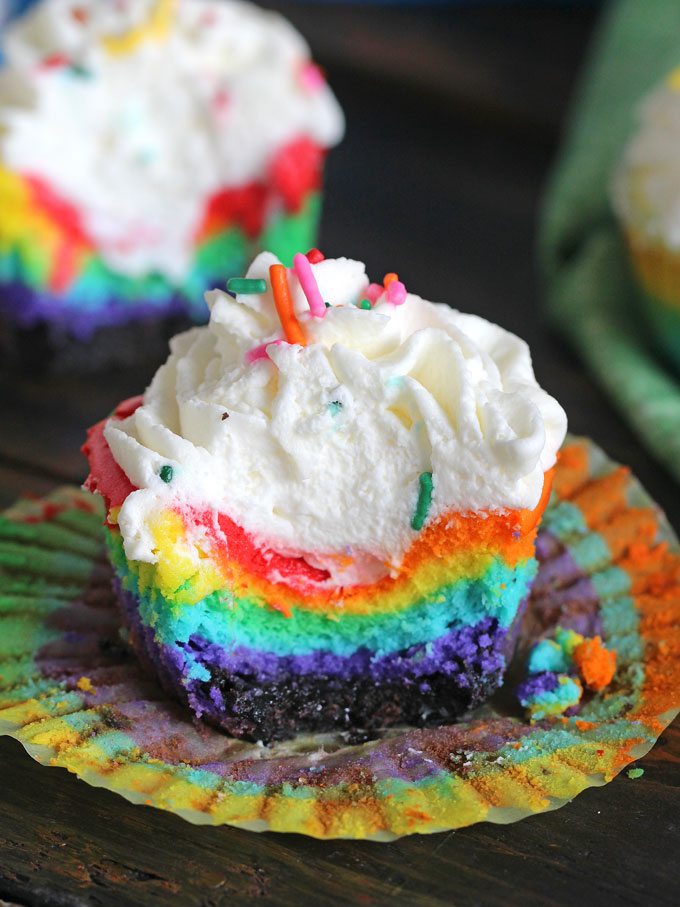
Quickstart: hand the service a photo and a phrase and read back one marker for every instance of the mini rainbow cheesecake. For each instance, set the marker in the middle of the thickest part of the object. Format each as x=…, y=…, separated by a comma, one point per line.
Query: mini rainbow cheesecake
x=322, y=512
x=148, y=150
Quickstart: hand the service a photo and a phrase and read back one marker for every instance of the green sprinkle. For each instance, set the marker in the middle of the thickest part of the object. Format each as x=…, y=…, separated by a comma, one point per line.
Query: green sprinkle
x=327, y=304
x=424, y=501
x=365, y=304
x=334, y=407
x=246, y=285
x=635, y=773
x=81, y=71
x=166, y=473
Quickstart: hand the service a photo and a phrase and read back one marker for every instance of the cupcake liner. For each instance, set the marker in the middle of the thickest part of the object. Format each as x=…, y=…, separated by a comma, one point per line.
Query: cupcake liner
x=657, y=267
x=75, y=697
x=656, y=270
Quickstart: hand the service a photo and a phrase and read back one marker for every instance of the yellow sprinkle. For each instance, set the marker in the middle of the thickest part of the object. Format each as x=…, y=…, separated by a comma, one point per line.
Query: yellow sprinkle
x=673, y=80
x=155, y=28
x=85, y=684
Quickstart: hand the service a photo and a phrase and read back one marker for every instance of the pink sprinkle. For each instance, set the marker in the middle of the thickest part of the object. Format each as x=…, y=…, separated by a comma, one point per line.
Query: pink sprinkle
x=374, y=292
x=260, y=352
x=311, y=77
x=396, y=293
x=310, y=288
x=221, y=100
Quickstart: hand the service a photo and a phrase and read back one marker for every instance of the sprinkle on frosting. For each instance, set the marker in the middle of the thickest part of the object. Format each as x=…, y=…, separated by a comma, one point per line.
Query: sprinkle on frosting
x=314, y=256
x=396, y=292
x=284, y=305
x=260, y=351
x=166, y=473
x=424, y=501
x=374, y=291
x=310, y=288
x=242, y=286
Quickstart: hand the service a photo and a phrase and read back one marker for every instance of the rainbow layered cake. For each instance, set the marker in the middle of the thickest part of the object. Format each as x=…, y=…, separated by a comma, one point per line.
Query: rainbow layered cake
x=322, y=512
x=148, y=150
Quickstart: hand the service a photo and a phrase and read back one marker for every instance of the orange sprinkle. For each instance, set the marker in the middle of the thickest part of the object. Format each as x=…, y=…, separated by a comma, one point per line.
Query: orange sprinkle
x=389, y=278
x=283, y=607
x=284, y=305
x=595, y=663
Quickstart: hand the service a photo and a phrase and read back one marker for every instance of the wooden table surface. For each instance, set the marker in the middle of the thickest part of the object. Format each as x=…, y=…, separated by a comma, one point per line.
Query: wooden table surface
x=454, y=117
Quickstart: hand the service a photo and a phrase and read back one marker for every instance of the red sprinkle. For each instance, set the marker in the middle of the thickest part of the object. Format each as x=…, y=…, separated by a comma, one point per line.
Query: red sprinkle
x=314, y=256
x=54, y=61
x=79, y=14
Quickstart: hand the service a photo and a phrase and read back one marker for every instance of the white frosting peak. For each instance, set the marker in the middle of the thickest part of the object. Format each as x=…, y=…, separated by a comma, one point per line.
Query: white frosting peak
x=646, y=189
x=324, y=444
x=156, y=105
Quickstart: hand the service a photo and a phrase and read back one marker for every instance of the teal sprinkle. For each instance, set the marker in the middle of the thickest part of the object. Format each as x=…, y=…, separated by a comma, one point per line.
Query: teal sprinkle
x=327, y=304
x=81, y=71
x=166, y=473
x=334, y=407
x=246, y=285
x=364, y=304
x=635, y=773
x=424, y=501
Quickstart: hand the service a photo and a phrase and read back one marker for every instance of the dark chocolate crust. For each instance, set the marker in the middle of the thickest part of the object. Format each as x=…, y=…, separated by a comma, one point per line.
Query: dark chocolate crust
x=44, y=348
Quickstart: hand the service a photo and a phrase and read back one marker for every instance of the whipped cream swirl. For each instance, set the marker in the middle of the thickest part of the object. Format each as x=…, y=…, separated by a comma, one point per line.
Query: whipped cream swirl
x=646, y=187
x=318, y=449
x=138, y=111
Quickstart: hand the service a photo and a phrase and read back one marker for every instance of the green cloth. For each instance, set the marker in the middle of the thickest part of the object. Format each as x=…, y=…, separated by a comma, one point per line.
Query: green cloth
x=588, y=288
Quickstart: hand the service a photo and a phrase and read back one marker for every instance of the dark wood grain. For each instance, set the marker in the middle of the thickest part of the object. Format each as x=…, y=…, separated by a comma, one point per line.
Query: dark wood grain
x=453, y=120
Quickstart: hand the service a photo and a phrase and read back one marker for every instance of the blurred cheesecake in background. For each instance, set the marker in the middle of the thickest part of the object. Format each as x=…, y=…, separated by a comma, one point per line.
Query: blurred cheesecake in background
x=148, y=150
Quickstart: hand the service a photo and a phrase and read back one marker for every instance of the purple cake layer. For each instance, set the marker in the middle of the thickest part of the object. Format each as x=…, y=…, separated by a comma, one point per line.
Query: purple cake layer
x=570, y=598
x=27, y=307
x=263, y=696
x=543, y=682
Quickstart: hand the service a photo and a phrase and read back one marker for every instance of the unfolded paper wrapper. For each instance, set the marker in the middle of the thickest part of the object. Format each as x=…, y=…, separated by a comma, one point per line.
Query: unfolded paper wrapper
x=75, y=697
